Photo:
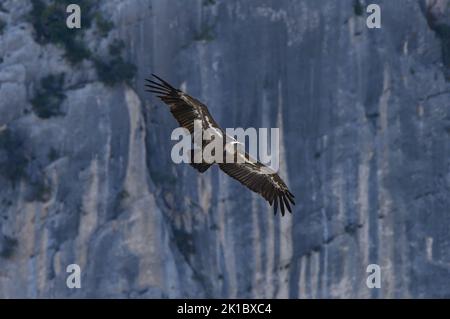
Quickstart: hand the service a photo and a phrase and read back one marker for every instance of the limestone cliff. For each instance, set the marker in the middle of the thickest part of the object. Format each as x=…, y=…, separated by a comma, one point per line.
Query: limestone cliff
x=365, y=121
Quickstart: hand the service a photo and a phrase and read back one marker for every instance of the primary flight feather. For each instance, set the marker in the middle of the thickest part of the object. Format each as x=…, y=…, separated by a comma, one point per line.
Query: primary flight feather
x=251, y=173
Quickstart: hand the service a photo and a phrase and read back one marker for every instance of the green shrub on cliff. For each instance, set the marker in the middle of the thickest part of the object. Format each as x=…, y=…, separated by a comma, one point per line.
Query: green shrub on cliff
x=49, y=21
x=48, y=99
x=115, y=69
x=13, y=161
x=48, y=18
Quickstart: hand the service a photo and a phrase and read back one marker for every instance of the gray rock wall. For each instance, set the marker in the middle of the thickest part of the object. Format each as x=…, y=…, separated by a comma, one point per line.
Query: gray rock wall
x=365, y=121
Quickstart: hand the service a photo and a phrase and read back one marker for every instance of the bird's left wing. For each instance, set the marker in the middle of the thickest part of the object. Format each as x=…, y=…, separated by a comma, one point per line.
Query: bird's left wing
x=262, y=180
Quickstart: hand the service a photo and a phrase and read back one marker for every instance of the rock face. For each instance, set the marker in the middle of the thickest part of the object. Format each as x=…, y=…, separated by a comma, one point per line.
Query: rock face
x=365, y=121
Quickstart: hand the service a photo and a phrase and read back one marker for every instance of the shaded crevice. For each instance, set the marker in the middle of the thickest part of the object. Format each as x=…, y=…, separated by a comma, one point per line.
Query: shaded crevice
x=438, y=20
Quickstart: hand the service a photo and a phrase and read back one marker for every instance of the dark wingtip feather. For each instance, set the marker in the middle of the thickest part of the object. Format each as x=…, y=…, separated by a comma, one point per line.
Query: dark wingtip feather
x=291, y=200
x=157, y=88
x=281, y=206
x=289, y=197
x=156, y=91
x=160, y=85
x=286, y=202
x=164, y=82
x=152, y=90
x=276, y=205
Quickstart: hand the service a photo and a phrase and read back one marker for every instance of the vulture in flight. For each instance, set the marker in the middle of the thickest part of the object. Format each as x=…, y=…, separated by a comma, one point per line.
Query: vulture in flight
x=251, y=173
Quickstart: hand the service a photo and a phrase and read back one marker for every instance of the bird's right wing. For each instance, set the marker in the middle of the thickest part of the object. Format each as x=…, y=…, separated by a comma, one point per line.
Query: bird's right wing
x=184, y=108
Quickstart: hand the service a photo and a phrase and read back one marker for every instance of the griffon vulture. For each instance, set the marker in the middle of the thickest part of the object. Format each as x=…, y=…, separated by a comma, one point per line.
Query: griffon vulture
x=251, y=173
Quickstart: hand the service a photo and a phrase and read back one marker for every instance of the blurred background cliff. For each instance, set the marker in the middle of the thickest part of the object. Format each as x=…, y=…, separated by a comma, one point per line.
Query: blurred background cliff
x=85, y=169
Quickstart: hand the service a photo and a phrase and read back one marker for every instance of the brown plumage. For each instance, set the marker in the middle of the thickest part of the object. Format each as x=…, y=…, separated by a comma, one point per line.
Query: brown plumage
x=251, y=173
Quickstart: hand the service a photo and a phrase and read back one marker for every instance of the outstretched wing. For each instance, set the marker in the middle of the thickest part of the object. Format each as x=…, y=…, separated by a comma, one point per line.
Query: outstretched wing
x=184, y=108
x=262, y=180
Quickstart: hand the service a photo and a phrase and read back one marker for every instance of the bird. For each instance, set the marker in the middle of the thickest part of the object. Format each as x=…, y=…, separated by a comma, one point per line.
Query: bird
x=251, y=173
